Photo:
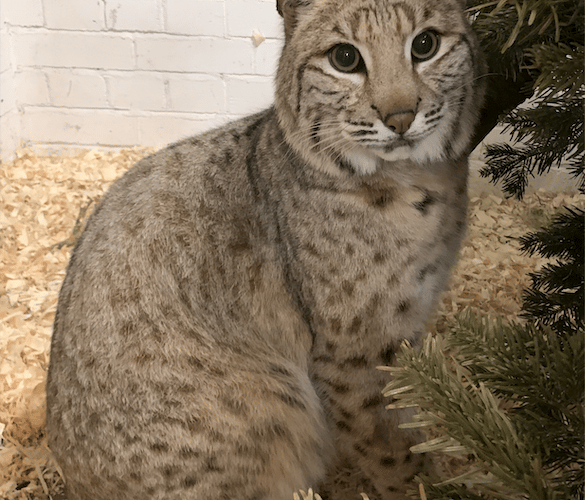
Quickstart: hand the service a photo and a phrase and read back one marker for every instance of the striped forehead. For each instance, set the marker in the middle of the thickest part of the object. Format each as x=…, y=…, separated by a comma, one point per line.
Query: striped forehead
x=364, y=21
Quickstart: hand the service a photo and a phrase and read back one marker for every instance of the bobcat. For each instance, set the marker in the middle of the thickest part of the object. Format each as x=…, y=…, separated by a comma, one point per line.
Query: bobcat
x=225, y=309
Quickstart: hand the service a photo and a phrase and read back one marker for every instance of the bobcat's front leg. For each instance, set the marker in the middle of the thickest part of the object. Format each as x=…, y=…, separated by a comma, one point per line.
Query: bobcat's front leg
x=366, y=433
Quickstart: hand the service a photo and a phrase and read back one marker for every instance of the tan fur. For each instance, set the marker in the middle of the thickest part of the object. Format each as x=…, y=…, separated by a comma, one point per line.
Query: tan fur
x=224, y=311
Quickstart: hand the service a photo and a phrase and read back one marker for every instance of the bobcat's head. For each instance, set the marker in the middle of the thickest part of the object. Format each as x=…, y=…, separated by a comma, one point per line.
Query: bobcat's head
x=363, y=82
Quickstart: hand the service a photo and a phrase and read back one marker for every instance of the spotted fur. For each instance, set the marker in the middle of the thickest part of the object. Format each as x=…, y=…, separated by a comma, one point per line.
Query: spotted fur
x=224, y=311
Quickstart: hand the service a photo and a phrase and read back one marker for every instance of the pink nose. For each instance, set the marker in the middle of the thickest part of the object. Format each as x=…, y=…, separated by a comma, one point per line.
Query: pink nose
x=399, y=122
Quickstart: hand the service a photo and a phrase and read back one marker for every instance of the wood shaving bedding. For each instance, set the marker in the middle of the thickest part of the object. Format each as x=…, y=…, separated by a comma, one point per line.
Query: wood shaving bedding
x=42, y=200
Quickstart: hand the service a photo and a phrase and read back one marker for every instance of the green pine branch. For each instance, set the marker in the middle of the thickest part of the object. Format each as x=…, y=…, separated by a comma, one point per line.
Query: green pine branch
x=556, y=296
x=510, y=395
x=550, y=132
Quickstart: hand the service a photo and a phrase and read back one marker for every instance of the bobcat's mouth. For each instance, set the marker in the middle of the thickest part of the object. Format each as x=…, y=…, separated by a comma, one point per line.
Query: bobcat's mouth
x=397, y=143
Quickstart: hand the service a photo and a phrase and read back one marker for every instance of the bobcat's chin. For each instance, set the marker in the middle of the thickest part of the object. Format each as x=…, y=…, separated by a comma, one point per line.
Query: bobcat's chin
x=368, y=161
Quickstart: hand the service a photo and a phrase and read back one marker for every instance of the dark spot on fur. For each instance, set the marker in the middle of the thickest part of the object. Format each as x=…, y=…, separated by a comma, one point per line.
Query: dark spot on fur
x=392, y=280
x=171, y=470
x=403, y=306
x=392, y=489
x=189, y=481
x=211, y=465
x=343, y=426
x=159, y=446
x=388, y=354
x=279, y=370
x=372, y=401
x=355, y=325
x=428, y=269
x=324, y=358
x=407, y=458
x=423, y=205
x=349, y=250
x=373, y=305
x=379, y=258
x=344, y=413
x=195, y=362
x=355, y=362
x=381, y=201
x=290, y=401
x=328, y=236
x=334, y=298
x=360, y=449
x=338, y=387
x=387, y=461
x=240, y=242
x=218, y=372
x=186, y=452
x=348, y=287
x=345, y=166
x=311, y=249
x=269, y=432
x=330, y=346
x=234, y=406
x=335, y=325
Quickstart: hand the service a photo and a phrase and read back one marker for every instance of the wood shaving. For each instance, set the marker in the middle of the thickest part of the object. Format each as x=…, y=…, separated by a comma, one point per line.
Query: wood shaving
x=42, y=200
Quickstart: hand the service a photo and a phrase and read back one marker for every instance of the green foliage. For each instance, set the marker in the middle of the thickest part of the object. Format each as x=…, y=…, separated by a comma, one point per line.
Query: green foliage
x=543, y=39
x=551, y=130
x=557, y=295
x=511, y=396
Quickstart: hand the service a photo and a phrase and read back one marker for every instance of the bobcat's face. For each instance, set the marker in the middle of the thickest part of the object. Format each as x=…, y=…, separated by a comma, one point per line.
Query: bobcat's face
x=362, y=81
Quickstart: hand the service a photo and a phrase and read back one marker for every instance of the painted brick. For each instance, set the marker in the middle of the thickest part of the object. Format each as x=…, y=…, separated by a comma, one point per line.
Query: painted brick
x=9, y=134
x=73, y=126
x=266, y=57
x=134, y=15
x=202, y=94
x=5, y=57
x=22, y=12
x=73, y=50
x=74, y=15
x=31, y=88
x=244, y=16
x=249, y=94
x=197, y=55
x=164, y=128
x=76, y=88
x=8, y=94
x=203, y=17
x=137, y=91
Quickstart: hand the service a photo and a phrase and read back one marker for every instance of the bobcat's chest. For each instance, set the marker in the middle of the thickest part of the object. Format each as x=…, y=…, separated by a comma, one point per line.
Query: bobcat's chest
x=374, y=260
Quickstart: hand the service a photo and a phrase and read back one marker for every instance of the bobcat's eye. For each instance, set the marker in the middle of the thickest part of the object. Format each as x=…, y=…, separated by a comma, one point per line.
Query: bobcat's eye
x=346, y=58
x=425, y=45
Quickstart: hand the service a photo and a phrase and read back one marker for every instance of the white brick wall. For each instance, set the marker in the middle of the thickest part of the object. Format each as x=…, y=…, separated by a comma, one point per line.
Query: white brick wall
x=115, y=73
x=9, y=117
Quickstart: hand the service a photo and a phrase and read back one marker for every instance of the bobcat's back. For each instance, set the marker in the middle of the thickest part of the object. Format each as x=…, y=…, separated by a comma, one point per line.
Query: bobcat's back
x=224, y=311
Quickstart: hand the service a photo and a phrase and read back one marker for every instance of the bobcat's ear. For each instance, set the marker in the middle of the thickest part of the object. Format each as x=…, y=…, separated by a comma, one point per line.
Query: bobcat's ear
x=289, y=10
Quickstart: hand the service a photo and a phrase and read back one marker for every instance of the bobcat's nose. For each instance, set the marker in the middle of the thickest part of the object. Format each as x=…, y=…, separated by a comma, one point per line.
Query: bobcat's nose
x=399, y=122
